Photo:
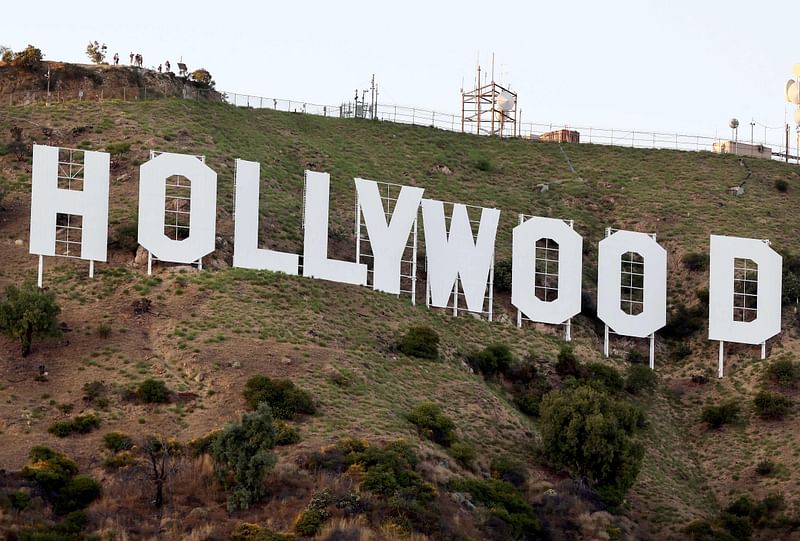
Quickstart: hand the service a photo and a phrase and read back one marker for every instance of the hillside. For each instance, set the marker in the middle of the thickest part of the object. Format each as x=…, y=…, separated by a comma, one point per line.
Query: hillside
x=208, y=332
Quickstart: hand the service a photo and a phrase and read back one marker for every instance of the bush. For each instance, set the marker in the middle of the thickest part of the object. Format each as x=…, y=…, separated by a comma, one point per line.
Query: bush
x=77, y=494
x=19, y=500
x=202, y=445
x=152, y=391
x=243, y=456
x=50, y=469
x=310, y=520
x=29, y=58
x=252, y=532
x=203, y=78
x=781, y=185
x=634, y=357
x=567, y=364
x=483, y=163
x=605, y=376
x=122, y=459
x=433, y=424
x=695, y=261
x=463, y=453
x=683, y=322
x=502, y=275
x=772, y=406
x=721, y=414
x=640, y=378
x=582, y=434
x=128, y=237
x=511, y=517
x=784, y=372
x=494, y=359
x=82, y=424
x=766, y=468
x=104, y=330
x=421, y=342
x=26, y=312
x=508, y=470
x=117, y=441
x=283, y=397
x=286, y=434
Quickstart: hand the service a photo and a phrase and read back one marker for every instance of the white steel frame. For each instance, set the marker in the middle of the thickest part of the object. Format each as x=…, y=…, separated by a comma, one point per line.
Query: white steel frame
x=389, y=193
x=168, y=199
x=70, y=177
x=546, y=274
x=631, y=302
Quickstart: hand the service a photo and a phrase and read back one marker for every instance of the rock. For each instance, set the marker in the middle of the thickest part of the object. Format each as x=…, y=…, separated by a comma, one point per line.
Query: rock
x=199, y=377
x=542, y=188
x=197, y=514
x=141, y=257
x=461, y=499
x=736, y=190
x=441, y=168
x=235, y=364
x=286, y=360
x=18, y=242
x=551, y=493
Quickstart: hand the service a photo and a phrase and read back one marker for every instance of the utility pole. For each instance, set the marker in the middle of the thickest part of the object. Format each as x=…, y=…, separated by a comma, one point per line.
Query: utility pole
x=372, y=97
x=787, y=142
x=752, y=125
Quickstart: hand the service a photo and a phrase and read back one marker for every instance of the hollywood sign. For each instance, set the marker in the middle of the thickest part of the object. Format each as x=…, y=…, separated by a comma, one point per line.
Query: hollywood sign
x=456, y=256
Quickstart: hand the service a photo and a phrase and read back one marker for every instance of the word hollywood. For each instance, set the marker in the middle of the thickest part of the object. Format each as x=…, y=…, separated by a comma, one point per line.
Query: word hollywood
x=455, y=257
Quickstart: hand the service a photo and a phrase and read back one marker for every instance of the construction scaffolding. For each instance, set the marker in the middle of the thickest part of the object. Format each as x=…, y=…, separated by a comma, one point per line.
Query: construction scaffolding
x=490, y=107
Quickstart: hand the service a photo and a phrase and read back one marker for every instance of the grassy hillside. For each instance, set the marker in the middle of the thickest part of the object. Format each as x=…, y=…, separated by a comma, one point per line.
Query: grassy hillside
x=208, y=332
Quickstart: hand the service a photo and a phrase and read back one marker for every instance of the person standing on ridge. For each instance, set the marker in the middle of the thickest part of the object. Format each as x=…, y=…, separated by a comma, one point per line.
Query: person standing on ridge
x=116, y=59
x=166, y=65
x=131, y=59
x=159, y=68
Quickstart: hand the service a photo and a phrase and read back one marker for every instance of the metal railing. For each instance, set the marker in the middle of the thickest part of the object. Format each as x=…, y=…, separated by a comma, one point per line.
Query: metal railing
x=774, y=137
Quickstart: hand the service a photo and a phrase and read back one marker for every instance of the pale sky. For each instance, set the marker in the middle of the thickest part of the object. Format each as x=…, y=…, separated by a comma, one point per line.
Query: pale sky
x=666, y=65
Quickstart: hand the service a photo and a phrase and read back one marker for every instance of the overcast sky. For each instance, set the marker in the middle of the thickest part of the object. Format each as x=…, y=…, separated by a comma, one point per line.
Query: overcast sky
x=665, y=65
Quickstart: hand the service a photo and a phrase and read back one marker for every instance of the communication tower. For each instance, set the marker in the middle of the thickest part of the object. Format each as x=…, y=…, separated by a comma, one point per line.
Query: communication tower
x=489, y=109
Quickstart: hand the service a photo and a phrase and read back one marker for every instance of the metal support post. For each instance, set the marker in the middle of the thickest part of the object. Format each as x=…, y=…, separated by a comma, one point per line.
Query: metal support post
x=41, y=271
x=91, y=268
x=605, y=343
x=721, y=368
x=653, y=351
x=149, y=263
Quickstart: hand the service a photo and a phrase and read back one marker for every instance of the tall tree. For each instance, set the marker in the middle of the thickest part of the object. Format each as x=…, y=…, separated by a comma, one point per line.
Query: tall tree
x=26, y=312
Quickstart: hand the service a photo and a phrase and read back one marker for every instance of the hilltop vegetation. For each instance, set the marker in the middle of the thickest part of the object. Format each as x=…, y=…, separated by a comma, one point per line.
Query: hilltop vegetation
x=383, y=418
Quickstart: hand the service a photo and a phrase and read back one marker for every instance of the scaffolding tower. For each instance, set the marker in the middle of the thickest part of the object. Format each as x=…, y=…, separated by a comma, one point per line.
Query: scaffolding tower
x=489, y=109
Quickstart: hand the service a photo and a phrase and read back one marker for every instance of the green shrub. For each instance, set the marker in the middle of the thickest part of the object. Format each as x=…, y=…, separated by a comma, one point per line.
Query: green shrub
x=511, y=517
x=463, y=453
x=493, y=359
x=117, y=441
x=433, y=424
x=104, y=330
x=784, y=372
x=508, y=470
x=718, y=415
x=502, y=275
x=281, y=395
x=243, y=455
x=82, y=424
x=48, y=468
x=766, y=468
x=781, y=185
x=128, y=237
x=27, y=312
x=123, y=459
x=19, y=500
x=94, y=392
x=770, y=405
x=605, y=376
x=202, y=445
x=77, y=494
x=634, y=356
x=421, y=342
x=640, y=378
x=252, y=532
x=152, y=391
x=683, y=322
x=310, y=520
x=567, y=364
x=695, y=261
x=582, y=434
x=286, y=434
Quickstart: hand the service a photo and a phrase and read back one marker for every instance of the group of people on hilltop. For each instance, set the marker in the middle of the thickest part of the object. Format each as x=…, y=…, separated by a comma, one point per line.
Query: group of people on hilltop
x=136, y=60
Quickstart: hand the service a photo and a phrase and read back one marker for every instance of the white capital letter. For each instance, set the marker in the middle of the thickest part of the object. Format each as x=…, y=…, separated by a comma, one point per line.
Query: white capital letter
x=47, y=200
x=388, y=242
x=523, y=270
x=458, y=254
x=315, y=250
x=203, y=207
x=767, y=302
x=246, y=253
x=609, y=276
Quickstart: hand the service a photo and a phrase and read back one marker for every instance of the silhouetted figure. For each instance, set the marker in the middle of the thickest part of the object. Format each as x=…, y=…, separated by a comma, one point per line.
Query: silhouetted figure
x=166, y=65
x=131, y=59
x=159, y=68
x=116, y=59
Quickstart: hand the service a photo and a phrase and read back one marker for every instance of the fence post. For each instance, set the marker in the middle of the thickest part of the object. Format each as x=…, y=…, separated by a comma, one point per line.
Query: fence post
x=633, y=138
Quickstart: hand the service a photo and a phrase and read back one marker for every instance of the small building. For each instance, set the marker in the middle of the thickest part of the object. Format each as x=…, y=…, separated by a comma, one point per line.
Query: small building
x=742, y=149
x=561, y=136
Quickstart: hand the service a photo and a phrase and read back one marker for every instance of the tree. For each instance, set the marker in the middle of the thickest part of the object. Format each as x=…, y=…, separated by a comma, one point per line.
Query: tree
x=96, y=52
x=203, y=77
x=29, y=58
x=243, y=456
x=26, y=312
x=6, y=54
x=161, y=454
x=582, y=434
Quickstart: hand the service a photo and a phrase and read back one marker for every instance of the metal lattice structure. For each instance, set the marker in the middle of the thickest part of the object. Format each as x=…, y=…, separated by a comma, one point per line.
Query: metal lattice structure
x=389, y=193
x=745, y=290
x=490, y=108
